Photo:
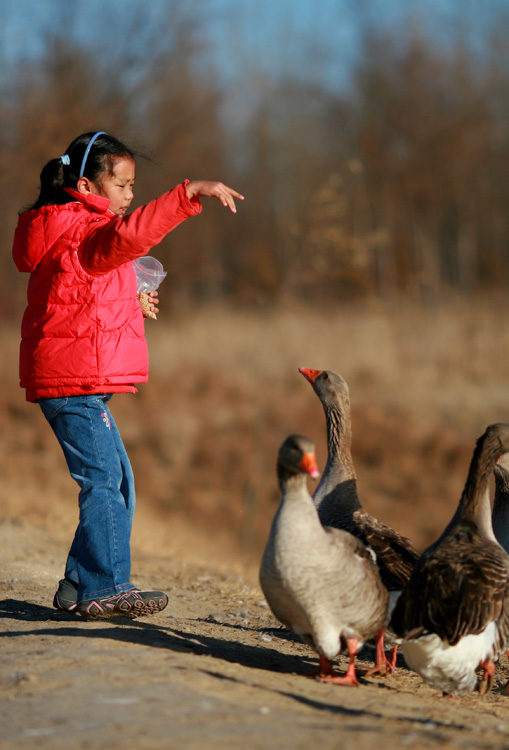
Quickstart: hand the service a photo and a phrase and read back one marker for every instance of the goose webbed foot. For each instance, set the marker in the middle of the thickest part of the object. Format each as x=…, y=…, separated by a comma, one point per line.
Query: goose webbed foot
x=323, y=669
x=486, y=683
x=349, y=678
x=327, y=674
x=383, y=665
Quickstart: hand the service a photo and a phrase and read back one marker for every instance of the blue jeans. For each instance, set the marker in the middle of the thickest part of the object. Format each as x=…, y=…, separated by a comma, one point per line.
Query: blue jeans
x=99, y=560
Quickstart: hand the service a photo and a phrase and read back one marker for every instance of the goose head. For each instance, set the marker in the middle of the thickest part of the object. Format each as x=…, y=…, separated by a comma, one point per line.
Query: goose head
x=330, y=387
x=297, y=456
x=501, y=470
x=489, y=453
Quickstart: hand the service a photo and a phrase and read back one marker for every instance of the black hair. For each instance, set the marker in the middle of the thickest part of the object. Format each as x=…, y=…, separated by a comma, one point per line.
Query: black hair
x=100, y=161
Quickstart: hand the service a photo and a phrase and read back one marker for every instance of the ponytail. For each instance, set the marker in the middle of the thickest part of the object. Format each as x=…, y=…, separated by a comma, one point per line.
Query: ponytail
x=52, y=181
x=91, y=155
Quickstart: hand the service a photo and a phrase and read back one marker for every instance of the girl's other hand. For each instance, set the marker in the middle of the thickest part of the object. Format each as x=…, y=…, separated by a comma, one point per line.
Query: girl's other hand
x=149, y=307
x=210, y=189
x=154, y=301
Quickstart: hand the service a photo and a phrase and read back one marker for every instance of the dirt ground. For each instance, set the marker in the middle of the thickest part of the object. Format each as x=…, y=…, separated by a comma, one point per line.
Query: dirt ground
x=214, y=670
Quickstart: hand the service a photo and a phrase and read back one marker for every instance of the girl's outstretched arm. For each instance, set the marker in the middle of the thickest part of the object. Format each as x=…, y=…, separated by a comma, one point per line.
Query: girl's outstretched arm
x=109, y=242
x=210, y=189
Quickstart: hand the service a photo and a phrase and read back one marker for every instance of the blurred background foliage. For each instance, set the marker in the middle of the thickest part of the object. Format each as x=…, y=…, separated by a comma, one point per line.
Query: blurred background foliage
x=371, y=140
x=368, y=173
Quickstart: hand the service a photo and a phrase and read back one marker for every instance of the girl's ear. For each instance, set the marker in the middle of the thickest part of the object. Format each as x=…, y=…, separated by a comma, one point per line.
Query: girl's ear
x=84, y=185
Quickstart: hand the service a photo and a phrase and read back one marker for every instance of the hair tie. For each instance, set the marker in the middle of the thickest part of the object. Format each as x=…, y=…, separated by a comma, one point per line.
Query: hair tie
x=87, y=151
x=65, y=160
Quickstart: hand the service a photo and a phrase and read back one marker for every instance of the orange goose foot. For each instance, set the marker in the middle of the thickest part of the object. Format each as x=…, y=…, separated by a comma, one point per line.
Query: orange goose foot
x=487, y=678
x=383, y=665
x=323, y=669
x=327, y=674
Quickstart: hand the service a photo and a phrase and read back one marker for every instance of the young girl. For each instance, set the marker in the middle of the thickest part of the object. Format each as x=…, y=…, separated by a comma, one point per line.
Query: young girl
x=83, y=340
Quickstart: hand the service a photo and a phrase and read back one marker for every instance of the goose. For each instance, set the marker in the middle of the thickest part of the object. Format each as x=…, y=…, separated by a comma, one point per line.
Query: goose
x=319, y=582
x=336, y=494
x=453, y=615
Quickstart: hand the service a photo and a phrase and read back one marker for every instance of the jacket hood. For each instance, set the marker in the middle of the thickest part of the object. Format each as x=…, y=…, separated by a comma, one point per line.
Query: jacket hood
x=38, y=229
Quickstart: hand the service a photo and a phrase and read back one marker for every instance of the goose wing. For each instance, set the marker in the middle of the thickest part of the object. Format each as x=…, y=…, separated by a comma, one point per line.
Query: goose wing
x=456, y=590
x=396, y=555
x=348, y=544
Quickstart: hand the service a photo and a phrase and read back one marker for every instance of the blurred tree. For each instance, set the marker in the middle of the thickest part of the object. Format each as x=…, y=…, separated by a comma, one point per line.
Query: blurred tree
x=396, y=184
x=164, y=98
x=421, y=123
x=185, y=136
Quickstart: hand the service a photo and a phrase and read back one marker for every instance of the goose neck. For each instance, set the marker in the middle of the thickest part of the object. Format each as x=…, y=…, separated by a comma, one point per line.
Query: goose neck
x=475, y=501
x=500, y=515
x=339, y=432
x=291, y=483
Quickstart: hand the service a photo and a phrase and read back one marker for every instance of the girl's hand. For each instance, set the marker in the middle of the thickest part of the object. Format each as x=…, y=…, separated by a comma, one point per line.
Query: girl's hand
x=148, y=305
x=209, y=189
x=154, y=300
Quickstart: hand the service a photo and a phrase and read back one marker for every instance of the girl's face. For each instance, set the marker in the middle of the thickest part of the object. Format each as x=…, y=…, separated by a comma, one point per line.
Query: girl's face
x=117, y=187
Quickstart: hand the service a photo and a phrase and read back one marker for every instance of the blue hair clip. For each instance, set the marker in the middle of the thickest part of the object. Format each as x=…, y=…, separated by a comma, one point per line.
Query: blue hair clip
x=87, y=151
x=65, y=160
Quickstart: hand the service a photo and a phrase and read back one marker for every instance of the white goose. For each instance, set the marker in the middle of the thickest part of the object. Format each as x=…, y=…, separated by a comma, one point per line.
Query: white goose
x=453, y=614
x=336, y=495
x=319, y=582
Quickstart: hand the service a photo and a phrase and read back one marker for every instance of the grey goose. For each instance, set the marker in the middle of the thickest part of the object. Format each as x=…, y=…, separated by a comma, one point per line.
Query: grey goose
x=320, y=582
x=336, y=496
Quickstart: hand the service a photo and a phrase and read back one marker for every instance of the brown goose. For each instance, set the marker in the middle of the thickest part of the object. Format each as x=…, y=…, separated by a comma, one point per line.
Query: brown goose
x=336, y=495
x=319, y=582
x=453, y=615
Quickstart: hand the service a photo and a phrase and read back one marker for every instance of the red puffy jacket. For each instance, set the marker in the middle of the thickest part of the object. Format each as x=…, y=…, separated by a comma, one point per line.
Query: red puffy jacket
x=83, y=329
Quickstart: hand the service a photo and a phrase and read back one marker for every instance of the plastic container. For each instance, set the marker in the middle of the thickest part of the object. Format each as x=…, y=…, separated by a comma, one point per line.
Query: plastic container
x=149, y=273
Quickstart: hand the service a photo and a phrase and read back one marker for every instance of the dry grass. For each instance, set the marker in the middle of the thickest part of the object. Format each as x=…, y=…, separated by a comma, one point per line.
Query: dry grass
x=225, y=391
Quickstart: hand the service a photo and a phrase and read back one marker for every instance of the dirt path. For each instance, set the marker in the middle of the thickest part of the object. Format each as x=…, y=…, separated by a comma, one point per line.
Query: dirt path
x=212, y=671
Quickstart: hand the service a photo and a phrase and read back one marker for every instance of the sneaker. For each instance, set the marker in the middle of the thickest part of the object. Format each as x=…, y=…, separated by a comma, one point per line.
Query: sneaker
x=131, y=604
x=66, y=596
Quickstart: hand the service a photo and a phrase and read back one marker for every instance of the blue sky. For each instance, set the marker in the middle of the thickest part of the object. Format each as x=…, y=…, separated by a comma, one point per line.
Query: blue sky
x=302, y=39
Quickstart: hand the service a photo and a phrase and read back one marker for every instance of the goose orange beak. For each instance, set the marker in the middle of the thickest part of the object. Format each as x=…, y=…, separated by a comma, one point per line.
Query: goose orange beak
x=308, y=463
x=310, y=375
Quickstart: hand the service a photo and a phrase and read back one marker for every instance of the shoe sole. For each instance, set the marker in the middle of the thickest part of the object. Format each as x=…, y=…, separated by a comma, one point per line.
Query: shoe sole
x=97, y=611
x=63, y=607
